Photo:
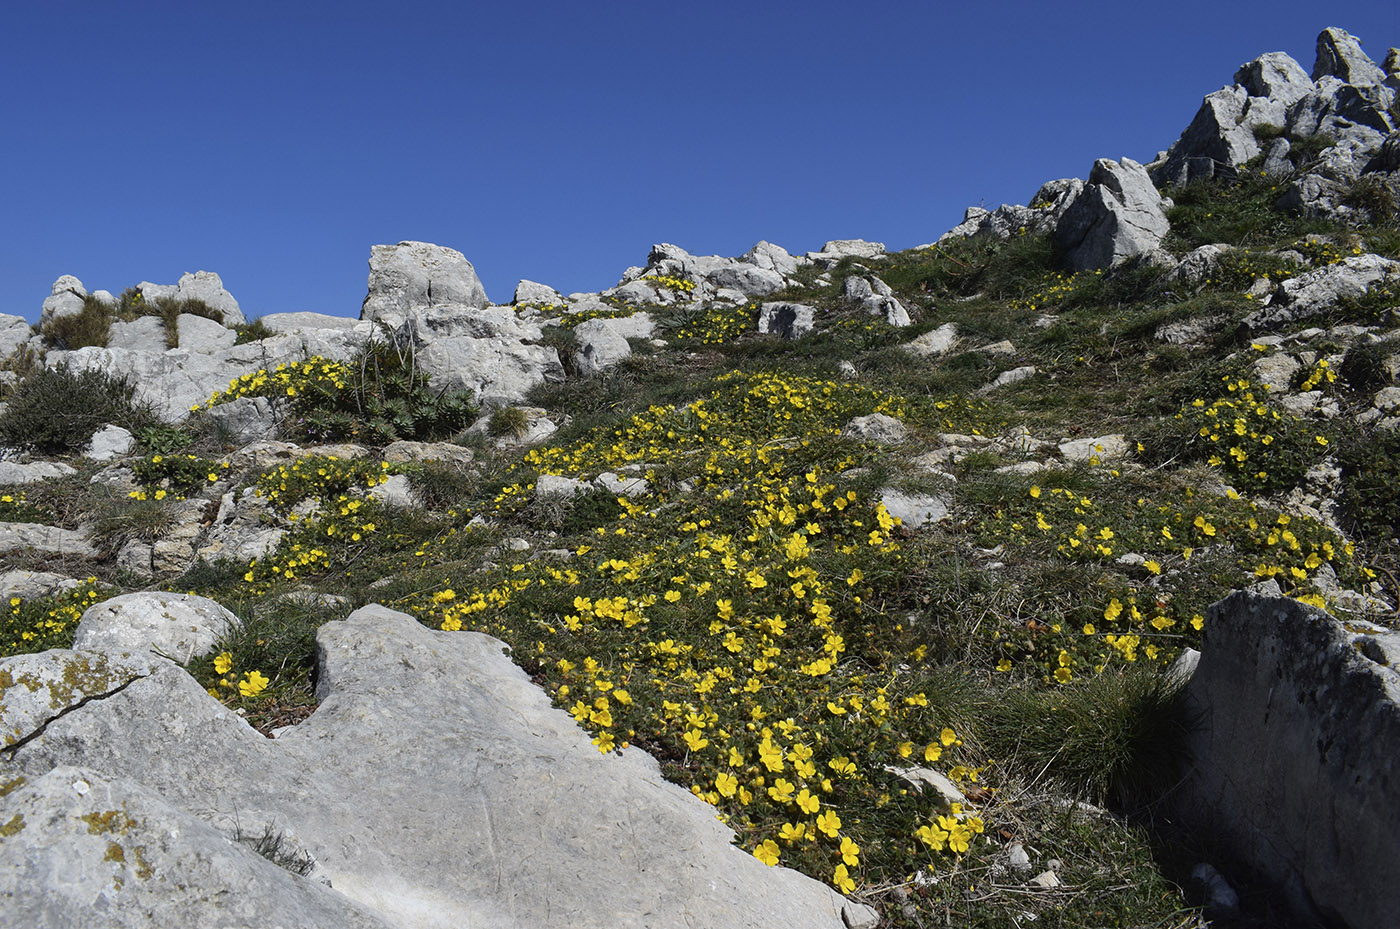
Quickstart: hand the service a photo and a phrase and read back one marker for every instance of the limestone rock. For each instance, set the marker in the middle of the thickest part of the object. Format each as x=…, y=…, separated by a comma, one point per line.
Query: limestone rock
x=86, y=844
x=934, y=342
x=1104, y=448
x=243, y=529
x=554, y=485
x=854, y=248
x=786, y=320
x=1276, y=76
x=600, y=346
x=404, y=450
x=545, y=831
x=493, y=370
x=110, y=443
x=770, y=257
x=38, y=687
x=142, y=334
x=14, y=332
x=17, y=538
x=1218, y=139
x=416, y=275
x=877, y=428
x=754, y=275
x=914, y=510
x=1291, y=755
x=138, y=627
x=1005, y=378
x=245, y=419
x=283, y=323
x=1316, y=291
x=33, y=585
x=530, y=292
x=395, y=491
x=205, y=286
x=1198, y=265
x=14, y=472
x=1339, y=55
x=625, y=485
x=65, y=299
x=1119, y=215
x=198, y=334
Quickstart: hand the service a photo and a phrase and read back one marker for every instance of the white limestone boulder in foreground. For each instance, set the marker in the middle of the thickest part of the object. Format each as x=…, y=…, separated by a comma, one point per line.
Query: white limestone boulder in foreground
x=435, y=787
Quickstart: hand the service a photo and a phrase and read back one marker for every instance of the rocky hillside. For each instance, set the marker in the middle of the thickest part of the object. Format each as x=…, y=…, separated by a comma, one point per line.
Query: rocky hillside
x=1043, y=573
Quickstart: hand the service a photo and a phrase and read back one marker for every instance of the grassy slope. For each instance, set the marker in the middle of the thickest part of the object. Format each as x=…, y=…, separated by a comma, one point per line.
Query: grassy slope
x=757, y=623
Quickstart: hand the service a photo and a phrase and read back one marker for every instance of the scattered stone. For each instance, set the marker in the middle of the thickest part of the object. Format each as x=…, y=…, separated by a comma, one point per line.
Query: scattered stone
x=1046, y=880
x=554, y=485
x=137, y=628
x=13, y=472
x=1016, y=857
x=1198, y=265
x=243, y=529
x=405, y=450
x=1005, y=378
x=877, y=428
x=109, y=443
x=921, y=777
x=622, y=484
x=846, y=369
x=786, y=320
x=1104, y=448
x=33, y=585
x=197, y=334
x=395, y=491
x=174, y=552
x=19, y=538
x=914, y=510
x=935, y=342
x=1218, y=897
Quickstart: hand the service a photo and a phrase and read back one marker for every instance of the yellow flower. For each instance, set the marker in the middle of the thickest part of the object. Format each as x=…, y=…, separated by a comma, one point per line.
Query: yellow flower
x=222, y=662
x=726, y=784
x=806, y=802
x=829, y=823
x=767, y=852
x=850, y=851
x=252, y=684
x=841, y=879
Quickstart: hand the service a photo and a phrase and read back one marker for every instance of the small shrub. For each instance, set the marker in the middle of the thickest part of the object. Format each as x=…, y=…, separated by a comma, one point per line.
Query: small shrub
x=254, y=331
x=508, y=421
x=1364, y=367
x=1111, y=738
x=57, y=410
x=90, y=326
x=1370, y=473
x=278, y=849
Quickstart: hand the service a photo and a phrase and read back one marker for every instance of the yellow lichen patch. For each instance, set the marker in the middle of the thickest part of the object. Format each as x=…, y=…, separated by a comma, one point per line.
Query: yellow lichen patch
x=12, y=827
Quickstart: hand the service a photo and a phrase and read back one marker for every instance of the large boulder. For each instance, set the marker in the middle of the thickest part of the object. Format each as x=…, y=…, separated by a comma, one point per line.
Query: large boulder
x=1296, y=725
x=757, y=273
x=1276, y=76
x=786, y=320
x=140, y=627
x=1120, y=215
x=417, y=275
x=1339, y=55
x=1218, y=139
x=84, y=844
x=490, y=351
x=600, y=346
x=498, y=813
x=205, y=286
x=65, y=299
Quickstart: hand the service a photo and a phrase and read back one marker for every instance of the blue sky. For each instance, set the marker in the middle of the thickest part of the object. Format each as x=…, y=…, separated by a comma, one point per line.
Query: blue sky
x=275, y=143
